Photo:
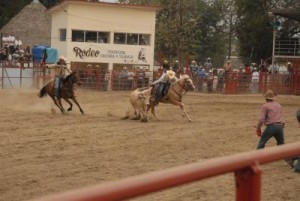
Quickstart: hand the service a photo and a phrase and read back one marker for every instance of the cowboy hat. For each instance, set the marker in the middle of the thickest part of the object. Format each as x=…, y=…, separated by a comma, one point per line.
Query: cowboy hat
x=63, y=58
x=171, y=74
x=269, y=95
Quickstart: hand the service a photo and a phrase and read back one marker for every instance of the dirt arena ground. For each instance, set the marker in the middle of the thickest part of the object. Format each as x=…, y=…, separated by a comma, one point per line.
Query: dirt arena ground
x=43, y=153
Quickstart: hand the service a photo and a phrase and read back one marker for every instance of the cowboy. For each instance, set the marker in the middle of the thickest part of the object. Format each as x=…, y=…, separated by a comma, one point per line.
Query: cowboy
x=176, y=66
x=271, y=116
x=166, y=79
x=166, y=65
x=60, y=72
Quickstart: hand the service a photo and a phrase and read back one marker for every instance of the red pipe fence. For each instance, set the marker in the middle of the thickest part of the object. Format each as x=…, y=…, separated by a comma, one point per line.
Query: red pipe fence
x=244, y=165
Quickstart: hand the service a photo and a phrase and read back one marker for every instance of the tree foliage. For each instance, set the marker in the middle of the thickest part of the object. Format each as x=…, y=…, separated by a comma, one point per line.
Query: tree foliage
x=204, y=28
x=253, y=27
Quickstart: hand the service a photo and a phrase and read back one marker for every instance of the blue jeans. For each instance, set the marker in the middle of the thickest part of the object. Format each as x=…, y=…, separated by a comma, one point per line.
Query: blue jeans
x=297, y=166
x=159, y=92
x=274, y=130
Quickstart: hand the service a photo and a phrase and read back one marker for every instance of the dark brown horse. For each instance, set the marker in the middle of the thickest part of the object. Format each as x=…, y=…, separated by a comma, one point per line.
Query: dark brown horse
x=66, y=92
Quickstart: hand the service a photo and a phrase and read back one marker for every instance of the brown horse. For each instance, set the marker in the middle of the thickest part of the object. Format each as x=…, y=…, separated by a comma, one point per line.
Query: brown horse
x=174, y=96
x=66, y=92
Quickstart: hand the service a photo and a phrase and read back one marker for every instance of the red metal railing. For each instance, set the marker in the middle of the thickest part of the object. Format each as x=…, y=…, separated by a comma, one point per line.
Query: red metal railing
x=244, y=165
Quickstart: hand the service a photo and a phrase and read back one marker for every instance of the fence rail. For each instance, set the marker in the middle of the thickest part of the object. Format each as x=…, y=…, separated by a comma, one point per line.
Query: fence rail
x=14, y=74
x=244, y=165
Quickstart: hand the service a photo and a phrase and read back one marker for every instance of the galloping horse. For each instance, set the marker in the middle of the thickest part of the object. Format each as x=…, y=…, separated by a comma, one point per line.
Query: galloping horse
x=66, y=92
x=174, y=96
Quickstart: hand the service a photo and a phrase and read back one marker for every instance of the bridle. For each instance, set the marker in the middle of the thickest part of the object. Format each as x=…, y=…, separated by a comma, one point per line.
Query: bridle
x=185, y=87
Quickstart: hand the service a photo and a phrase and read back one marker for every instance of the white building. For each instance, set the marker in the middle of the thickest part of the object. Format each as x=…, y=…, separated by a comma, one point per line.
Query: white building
x=110, y=35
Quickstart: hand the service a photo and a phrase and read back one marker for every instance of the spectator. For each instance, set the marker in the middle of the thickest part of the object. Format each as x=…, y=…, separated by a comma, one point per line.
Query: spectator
x=18, y=43
x=123, y=78
x=227, y=68
x=208, y=65
x=130, y=80
x=210, y=81
x=221, y=79
x=106, y=80
x=201, y=75
x=11, y=44
x=166, y=65
x=140, y=77
x=27, y=53
x=193, y=67
x=176, y=66
x=89, y=76
x=254, y=80
x=288, y=76
x=247, y=76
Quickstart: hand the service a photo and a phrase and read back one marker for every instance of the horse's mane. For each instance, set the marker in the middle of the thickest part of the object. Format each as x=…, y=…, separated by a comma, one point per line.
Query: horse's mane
x=184, y=76
x=68, y=77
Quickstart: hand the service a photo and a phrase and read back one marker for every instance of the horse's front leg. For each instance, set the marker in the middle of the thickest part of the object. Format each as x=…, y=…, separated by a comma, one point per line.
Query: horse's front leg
x=56, y=103
x=182, y=107
x=152, y=107
x=71, y=105
x=61, y=106
x=75, y=101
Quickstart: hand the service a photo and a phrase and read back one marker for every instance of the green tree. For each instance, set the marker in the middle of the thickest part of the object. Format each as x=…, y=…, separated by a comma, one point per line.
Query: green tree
x=253, y=27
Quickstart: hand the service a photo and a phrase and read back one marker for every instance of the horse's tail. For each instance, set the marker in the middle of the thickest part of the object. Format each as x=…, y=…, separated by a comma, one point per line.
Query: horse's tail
x=43, y=92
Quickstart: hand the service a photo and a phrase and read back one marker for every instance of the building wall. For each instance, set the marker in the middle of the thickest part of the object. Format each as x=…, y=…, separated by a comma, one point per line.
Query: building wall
x=108, y=18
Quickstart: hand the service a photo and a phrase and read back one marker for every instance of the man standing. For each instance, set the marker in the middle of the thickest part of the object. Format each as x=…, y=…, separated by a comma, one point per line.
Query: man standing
x=208, y=65
x=227, y=68
x=271, y=116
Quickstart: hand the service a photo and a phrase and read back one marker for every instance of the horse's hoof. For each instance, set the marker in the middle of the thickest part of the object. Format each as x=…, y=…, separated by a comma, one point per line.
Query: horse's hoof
x=82, y=112
x=144, y=120
x=70, y=109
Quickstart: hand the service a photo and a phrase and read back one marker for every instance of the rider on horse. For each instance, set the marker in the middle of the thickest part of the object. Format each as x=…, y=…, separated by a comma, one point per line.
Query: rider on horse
x=61, y=71
x=163, y=82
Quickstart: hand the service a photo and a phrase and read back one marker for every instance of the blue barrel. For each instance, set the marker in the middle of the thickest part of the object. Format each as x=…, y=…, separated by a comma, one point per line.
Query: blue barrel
x=38, y=52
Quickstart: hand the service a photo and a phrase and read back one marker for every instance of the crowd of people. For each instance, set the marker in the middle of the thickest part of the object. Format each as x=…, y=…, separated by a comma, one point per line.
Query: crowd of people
x=246, y=78
x=12, y=48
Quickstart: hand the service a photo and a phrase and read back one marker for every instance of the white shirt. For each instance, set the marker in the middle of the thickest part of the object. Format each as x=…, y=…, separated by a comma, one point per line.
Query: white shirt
x=255, y=76
x=18, y=42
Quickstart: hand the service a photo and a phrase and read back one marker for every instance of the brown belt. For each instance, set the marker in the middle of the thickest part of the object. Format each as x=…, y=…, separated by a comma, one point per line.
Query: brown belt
x=278, y=124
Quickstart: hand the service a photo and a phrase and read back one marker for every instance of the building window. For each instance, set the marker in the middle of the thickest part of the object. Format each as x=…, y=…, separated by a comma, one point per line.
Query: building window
x=63, y=34
x=132, y=39
x=91, y=36
x=119, y=38
x=77, y=36
x=144, y=39
x=103, y=37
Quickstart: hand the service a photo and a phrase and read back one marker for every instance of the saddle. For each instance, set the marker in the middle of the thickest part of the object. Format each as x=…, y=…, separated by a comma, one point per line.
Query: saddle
x=164, y=92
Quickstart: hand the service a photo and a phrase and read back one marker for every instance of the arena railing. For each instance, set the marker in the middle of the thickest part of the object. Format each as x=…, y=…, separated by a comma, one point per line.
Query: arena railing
x=246, y=168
